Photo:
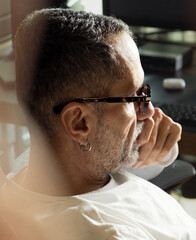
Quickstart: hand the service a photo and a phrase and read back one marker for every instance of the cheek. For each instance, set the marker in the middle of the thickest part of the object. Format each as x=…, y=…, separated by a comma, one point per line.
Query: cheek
x=128, y=121
x=122, y=119
x=129, y=110
x=129, y=114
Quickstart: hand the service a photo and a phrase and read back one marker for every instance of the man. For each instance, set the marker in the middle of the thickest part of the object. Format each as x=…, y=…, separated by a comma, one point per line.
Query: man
x=80, y=83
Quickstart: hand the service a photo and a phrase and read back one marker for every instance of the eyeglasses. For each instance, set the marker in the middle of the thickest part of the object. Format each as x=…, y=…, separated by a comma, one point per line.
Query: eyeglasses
x=143, y=98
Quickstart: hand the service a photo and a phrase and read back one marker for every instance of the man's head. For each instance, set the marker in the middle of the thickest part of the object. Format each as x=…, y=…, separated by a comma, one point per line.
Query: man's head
x=63, y=55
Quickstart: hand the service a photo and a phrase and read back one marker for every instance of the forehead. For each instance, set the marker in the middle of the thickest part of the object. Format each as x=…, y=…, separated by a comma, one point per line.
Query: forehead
x=129, y=55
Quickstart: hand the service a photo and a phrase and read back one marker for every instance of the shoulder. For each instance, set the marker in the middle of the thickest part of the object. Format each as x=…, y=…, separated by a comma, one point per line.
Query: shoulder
x=104, y=222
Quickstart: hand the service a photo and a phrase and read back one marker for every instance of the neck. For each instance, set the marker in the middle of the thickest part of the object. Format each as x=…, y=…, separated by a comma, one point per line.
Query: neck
x=58, y=173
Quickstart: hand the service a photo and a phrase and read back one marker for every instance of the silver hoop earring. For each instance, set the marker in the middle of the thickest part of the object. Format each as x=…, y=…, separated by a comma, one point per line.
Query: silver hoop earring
x=85, y=148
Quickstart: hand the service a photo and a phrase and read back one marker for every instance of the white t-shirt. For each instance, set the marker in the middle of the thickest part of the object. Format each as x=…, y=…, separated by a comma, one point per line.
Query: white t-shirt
x=128, y=207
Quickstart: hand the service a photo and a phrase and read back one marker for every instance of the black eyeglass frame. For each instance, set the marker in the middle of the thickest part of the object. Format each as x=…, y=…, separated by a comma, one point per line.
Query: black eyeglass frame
x=139, y=99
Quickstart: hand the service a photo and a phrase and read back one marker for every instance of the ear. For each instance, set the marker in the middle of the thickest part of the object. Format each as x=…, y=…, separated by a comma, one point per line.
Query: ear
x=77, y=121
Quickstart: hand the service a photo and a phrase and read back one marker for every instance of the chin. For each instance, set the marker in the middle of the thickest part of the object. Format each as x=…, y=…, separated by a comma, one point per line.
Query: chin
x=129, y=155
x=127, y=160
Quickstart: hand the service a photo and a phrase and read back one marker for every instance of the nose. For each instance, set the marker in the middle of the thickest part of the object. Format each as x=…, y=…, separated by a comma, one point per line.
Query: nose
x=149, y=113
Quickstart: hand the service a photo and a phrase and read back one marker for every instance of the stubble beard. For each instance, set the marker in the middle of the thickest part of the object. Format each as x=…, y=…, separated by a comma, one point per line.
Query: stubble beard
x=111, y=153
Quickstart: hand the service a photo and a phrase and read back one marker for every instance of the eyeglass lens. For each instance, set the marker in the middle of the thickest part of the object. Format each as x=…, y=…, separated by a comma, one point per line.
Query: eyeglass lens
x=143, y=91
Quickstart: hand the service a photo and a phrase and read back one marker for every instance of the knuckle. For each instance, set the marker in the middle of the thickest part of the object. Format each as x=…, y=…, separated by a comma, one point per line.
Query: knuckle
x=158, y=114
x=167, y=120
x=142, y=141
x=150, y=122
x=158, y=111
x=177, y=129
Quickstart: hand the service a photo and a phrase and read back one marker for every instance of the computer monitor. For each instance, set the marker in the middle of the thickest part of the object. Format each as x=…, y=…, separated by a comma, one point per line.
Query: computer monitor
x=168, y=14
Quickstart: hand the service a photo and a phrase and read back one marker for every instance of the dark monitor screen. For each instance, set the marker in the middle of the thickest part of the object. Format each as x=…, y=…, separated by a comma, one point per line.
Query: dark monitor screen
x=169, y=14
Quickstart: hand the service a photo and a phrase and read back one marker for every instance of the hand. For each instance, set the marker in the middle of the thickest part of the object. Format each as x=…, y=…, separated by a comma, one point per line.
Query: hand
x=158, y=137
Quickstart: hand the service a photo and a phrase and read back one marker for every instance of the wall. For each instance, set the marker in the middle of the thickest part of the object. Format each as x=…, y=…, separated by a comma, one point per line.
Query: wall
x=5, y=25
x=94, y=6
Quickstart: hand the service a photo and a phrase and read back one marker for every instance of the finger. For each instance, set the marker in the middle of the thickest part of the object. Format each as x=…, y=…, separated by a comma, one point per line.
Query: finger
x=173, y=136
x=164, y=129
x=149, y=125
x=147, y=147
x=169, y=133
x=148, y=153
x=146, y=132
